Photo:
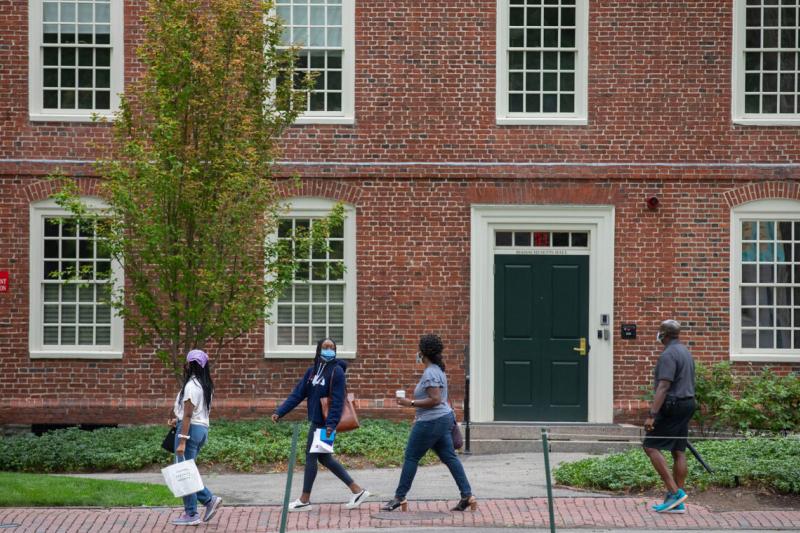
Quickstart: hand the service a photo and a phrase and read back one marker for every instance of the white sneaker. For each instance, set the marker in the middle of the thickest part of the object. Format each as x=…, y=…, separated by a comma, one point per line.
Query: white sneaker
x=357, y=499
x=298, y=507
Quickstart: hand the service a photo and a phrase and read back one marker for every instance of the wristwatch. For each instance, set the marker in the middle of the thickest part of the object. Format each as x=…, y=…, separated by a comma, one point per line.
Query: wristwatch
x=652, y=414
x=187, y=437
x=412, y=403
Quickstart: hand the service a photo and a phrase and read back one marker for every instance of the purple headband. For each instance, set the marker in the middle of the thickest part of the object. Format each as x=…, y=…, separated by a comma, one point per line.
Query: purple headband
x=197, y=355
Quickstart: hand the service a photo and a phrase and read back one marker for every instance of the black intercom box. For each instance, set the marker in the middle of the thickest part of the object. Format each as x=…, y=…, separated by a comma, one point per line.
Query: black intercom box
x=628, y=331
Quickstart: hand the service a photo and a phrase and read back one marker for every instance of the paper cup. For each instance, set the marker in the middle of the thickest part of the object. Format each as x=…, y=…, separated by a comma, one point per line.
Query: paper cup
x=400, y=393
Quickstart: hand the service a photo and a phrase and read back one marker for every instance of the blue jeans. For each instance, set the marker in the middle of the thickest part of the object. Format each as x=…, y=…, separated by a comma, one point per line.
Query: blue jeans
x=198, y=437
x=432, y=435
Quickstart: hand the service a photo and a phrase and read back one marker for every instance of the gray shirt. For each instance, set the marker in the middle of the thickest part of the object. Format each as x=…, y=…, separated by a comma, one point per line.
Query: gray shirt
x=676, y=366
x=432, y=377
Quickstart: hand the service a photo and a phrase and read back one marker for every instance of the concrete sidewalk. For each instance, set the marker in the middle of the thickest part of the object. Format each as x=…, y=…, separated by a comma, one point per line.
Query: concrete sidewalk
x=491, y=476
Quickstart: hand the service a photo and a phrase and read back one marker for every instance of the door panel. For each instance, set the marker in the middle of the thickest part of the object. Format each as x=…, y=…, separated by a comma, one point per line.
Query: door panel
x=541, y=313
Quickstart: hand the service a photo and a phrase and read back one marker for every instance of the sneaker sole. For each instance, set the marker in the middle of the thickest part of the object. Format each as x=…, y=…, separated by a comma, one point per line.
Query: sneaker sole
x=364, y=495
x=675, y=511
x=213, y=511
x=674, y=505
x=303, y=509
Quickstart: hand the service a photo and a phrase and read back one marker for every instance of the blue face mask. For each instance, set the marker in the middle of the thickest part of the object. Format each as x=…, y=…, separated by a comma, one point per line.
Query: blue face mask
x=327, y=354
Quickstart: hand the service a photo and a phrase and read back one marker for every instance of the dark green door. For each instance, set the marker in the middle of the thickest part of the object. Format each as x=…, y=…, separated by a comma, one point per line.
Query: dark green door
x=541, y=315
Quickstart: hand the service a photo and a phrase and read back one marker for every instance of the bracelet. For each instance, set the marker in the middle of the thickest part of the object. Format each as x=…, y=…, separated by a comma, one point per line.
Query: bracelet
x=412, y=403
x=652, y=414
x=187, y=437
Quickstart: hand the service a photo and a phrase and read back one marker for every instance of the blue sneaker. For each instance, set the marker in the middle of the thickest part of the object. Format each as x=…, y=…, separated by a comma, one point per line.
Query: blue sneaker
x=672, y=501
x=666, y=497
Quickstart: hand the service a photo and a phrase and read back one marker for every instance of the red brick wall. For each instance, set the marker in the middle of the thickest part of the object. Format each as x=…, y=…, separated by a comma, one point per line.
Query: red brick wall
x=413, y=277
x=659, y=116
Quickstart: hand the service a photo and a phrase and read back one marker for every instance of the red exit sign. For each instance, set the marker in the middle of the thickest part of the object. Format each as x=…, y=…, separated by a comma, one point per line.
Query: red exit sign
x=3, y=281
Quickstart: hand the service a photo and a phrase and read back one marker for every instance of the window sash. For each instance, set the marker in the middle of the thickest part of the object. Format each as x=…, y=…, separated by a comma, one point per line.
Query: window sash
x=750, y=284
x=576, y=75
x=51, y=298
x=331, y=95
x=71, y=84
x=304, y=209
x=771, y=80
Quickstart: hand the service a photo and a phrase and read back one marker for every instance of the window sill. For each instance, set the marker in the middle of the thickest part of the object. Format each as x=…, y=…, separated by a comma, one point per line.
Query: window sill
x=767, y=358
x=542, y=121
x=342, y=120
x=76, y=354
x=763, y=121
x=55, y=117
x=305, y=354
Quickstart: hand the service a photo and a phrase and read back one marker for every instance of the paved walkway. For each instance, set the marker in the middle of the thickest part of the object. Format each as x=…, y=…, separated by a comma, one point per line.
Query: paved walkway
x=530, y=513
x=512, y=476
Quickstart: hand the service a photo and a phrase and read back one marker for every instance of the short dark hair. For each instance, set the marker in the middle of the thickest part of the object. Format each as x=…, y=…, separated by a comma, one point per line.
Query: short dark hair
x=431, y=346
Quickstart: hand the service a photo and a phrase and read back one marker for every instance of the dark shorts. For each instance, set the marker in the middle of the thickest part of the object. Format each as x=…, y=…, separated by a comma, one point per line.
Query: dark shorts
x=672, y=421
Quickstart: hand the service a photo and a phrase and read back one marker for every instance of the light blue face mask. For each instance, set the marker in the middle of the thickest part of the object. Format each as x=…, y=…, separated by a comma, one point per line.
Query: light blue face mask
x=327, y=354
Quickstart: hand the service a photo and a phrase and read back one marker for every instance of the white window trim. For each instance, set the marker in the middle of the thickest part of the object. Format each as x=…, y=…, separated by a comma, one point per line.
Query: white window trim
x=347, y=115
x=580, y=117
x=738, y=116
x=36, y=112
x=346, y=348
x=756, y=210
x=38, y=212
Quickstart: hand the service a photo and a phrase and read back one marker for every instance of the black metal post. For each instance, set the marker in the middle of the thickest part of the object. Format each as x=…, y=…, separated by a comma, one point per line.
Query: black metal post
x=467, y=450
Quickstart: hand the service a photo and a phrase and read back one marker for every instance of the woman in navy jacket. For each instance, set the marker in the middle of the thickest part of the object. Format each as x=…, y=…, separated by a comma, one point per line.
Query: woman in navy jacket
x=324, y=378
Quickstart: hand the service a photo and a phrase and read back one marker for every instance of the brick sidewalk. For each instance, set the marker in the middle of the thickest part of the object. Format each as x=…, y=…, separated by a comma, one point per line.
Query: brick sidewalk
x=613, y=513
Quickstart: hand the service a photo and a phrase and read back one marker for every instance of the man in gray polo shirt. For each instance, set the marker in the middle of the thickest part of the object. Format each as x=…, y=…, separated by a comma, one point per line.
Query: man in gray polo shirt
x=667, y=423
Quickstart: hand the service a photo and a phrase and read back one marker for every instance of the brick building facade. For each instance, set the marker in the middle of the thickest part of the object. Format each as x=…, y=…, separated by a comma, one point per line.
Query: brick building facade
x=496, y=158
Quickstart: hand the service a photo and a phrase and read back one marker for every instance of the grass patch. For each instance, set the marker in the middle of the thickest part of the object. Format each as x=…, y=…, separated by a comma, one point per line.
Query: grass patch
x=756, y=462
x=36, y=490
x=241, y=446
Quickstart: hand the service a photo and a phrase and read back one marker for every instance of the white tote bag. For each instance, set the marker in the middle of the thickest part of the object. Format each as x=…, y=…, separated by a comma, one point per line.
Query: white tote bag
x=183, y=478
x=318, y=445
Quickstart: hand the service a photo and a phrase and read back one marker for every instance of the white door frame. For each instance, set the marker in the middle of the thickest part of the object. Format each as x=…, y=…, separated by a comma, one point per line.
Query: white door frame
x=599, y=222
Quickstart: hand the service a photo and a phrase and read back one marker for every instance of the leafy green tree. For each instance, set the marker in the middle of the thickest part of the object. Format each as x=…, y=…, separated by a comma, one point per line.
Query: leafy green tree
x=188, y=177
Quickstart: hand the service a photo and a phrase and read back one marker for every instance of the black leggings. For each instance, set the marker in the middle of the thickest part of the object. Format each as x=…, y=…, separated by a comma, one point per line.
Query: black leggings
x=327, y=461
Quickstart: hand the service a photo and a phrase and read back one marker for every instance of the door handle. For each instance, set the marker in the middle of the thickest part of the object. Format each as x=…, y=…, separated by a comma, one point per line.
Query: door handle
x=581, y=349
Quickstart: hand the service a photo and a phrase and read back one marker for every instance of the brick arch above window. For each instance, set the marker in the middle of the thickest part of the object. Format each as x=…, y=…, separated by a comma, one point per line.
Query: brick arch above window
x=786, y=190
x=320, y=188
x=46, y=188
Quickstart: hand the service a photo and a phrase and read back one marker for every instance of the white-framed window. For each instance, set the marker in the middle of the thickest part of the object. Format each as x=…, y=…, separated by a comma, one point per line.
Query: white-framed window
x=70, y=283
x=542, y=61
x=766, y=62
x=325, y=32
x=76, y=58
x=765, y=281
x=321, y=302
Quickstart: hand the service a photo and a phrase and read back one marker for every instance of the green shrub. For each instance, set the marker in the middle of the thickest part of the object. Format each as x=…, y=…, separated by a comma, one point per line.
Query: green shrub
x=758, y=462
x=733, y=401
x=240, y=446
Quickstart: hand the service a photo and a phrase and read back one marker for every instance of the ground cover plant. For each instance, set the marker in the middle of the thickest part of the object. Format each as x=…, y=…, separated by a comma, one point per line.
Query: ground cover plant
x=36, y=490
x=770, y=463
x=241, y=446
x=746, y=400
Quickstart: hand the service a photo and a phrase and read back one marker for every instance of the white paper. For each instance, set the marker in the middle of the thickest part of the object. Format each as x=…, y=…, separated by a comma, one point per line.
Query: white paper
x=318, y=445
x=183, y=478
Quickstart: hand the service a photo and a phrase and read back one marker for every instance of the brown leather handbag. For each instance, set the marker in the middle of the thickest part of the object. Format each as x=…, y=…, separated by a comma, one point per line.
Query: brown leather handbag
x=349, y=419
